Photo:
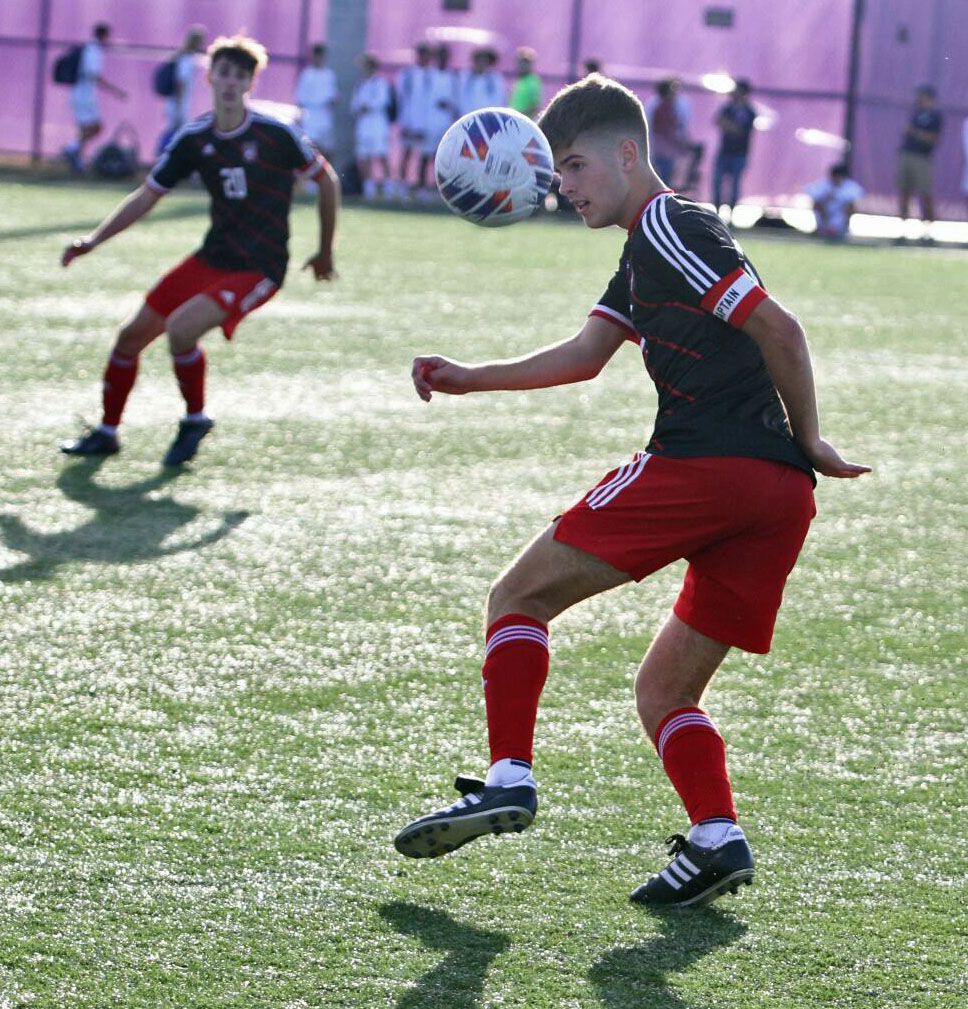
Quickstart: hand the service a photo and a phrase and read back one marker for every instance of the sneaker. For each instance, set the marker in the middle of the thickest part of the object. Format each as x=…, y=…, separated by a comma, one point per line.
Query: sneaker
x=697, y=876
x=95, y=443
x=73, y=159
x=482, y=809
x=185, y=445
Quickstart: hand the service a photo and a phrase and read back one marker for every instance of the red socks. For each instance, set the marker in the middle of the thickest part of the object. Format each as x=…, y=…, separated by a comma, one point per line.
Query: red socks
x=119, y=376
x=515, y=670
x=694, y=756
x=190, y=372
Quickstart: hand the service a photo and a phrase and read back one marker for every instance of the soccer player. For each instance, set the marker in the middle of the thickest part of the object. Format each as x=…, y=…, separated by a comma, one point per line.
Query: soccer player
x=370, y=104
x=248, y=163
x=726, y=482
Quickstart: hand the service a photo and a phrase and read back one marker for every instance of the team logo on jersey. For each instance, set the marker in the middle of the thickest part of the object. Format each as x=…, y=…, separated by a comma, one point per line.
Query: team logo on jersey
x=227, y=296
x=250, y=151
x=208, y=150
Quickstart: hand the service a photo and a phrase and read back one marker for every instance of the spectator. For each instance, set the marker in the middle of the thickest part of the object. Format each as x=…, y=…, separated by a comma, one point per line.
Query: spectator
x=483, y=85
x=179, y=103
x=964, y=144
x=668, y=116
x=87, y=113
x=413, y=95
x=915, y=158
x=442, y=111
x=526, y=93
x=370, y=105
x=833, y=202
x=735, y=123
x=316, y=96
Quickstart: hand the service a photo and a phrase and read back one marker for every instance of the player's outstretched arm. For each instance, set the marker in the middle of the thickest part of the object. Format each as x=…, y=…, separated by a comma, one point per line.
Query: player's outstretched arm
x=131, y=209
x=321, y=263
x=784, y=347
x=575, y=360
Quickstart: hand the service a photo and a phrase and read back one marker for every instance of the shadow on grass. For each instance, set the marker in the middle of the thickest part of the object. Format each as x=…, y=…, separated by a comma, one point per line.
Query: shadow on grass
x=457, y=982
x=173, y=213
x=127, y=525
x=637, y=977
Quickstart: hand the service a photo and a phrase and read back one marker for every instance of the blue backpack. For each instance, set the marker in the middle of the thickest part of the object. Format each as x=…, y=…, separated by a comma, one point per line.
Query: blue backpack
x=163, y=79
x=67, y=66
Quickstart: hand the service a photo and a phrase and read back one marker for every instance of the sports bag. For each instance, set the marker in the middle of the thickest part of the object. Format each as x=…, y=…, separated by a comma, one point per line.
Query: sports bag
x=67, y=66
x=118, y=158
x=163, y=79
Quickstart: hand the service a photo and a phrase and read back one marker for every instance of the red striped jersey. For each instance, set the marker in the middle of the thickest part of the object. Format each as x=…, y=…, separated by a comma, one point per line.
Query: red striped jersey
x=682, y=291
x=249, y=174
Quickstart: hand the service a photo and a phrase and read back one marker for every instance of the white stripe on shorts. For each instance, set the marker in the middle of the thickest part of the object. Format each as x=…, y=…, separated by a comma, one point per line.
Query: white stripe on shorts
x=625, y=476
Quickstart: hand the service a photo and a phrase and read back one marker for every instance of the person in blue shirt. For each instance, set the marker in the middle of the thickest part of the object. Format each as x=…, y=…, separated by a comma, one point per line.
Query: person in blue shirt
x=915, y=159
x=735, y=123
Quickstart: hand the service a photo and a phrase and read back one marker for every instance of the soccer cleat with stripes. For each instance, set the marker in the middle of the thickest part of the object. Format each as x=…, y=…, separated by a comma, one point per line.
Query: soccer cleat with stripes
x=697, y=876
x=93, y=444
x=482, y=809
x=185, y=445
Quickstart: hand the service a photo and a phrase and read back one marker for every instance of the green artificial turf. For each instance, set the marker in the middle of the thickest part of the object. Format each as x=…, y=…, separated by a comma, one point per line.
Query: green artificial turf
x=224, y=690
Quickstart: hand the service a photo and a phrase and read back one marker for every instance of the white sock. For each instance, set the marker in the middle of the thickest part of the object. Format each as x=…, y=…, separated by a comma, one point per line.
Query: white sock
x=508, y=772
x=715, y=833
x=193, y=418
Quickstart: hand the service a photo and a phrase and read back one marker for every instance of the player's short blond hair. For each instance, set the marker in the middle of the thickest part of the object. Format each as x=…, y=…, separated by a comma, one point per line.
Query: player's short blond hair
x=594, y=104
x=244, y=52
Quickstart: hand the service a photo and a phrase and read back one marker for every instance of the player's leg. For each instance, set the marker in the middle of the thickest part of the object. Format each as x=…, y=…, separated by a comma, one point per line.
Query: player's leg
x=547, y=578
x=185, y=327
x=120, y=374
x=718, y=183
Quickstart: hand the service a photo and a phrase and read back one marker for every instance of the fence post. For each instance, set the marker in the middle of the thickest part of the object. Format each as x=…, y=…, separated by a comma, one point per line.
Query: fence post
x=40, y=83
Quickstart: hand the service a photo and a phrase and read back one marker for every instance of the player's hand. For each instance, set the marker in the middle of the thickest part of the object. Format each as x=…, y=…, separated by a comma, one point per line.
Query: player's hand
x=79, y=247
x=322, y=266
x=827, y=461
x=437, y=374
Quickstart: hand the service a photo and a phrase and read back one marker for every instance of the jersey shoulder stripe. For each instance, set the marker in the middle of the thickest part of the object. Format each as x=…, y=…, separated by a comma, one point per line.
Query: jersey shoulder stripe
x=297, y=137
x=663, y=238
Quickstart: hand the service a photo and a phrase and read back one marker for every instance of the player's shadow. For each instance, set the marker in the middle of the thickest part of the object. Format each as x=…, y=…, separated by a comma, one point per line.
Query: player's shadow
x=127, y=525
x=638, y=977
x=457, y=981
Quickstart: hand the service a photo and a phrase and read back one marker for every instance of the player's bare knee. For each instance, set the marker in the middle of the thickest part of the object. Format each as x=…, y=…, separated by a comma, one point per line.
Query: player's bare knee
x=513, y=594
x=181, y=338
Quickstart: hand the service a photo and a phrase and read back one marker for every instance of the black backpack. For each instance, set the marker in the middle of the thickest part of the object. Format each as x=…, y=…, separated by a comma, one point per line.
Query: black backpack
x=118, y=158
x=67, y=66
x=163, y=79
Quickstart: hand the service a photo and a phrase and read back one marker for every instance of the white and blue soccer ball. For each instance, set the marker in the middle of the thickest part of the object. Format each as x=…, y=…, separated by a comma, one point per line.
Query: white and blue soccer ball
x=493, y=167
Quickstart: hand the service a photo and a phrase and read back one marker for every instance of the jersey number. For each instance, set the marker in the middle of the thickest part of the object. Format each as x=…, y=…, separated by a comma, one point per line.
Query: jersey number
x=233, y=183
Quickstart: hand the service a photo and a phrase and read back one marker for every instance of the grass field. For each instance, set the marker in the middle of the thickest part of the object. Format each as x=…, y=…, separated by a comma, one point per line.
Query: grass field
x=224, y=690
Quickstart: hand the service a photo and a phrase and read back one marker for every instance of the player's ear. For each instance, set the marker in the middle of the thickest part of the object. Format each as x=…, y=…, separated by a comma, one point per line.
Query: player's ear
x=628, y=153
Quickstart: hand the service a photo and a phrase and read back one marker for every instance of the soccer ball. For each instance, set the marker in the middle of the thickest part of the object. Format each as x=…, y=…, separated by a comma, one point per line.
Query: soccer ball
x=493, y=167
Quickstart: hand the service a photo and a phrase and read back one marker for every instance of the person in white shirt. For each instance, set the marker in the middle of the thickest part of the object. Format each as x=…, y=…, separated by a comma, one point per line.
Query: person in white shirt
x=483, y=86
x=316, y=96
x=413, y=95
x=87, y=113
x=370, y=104
x=178, y=105
x=443, y=111
x=833, y=202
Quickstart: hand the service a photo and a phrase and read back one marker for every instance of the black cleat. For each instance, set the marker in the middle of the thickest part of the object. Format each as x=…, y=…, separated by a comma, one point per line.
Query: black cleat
x=185, y=445
x=481, y=810
x=697, y=876
x=95, y=443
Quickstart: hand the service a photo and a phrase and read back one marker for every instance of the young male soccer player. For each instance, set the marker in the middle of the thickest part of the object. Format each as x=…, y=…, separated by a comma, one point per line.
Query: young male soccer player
x=247, y=162
x=726, y=482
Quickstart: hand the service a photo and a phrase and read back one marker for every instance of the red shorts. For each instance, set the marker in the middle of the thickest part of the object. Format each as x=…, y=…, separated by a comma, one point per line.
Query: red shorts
x=236, y=292
x=740, y=523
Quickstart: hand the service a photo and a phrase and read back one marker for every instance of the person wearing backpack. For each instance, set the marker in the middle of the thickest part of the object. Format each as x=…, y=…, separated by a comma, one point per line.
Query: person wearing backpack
x=84, y=103
x=174, y=81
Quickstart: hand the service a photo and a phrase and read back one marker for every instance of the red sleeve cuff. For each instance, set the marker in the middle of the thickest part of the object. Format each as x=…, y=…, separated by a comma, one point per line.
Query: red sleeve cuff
x=617, y=319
